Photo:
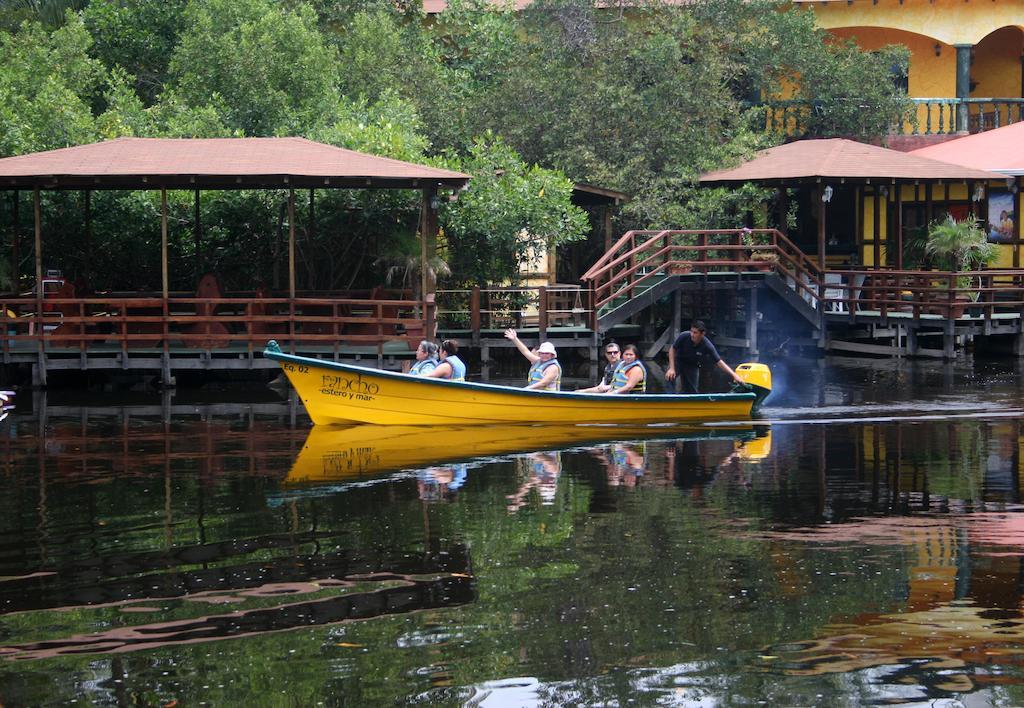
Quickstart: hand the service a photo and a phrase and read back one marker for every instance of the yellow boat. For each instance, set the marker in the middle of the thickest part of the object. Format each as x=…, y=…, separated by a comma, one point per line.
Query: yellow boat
x=343, y=394
x=334, y=453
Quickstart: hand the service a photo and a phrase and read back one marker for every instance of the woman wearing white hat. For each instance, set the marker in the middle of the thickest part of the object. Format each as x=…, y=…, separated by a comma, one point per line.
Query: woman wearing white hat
x=545, y=371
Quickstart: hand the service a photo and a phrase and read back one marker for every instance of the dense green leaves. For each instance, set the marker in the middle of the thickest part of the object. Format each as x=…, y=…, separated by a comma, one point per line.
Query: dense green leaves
x=640, y=100
x=47, y=83
x=511, y=213
x=271, y=68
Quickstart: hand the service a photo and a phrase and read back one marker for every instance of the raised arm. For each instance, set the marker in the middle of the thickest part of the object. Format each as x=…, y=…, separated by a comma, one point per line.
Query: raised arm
x=523, y=349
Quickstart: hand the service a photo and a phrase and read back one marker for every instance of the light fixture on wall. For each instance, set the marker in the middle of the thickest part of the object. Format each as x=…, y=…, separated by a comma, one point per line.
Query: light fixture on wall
x=938, y=49
x=826, y=194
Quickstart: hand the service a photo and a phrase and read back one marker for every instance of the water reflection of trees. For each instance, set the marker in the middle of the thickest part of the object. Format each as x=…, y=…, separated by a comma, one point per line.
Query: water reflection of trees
x=653, y=565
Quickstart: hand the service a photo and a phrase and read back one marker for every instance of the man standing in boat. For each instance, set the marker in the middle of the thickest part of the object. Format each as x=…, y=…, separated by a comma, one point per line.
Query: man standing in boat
x=688, y=353
x=545, y=372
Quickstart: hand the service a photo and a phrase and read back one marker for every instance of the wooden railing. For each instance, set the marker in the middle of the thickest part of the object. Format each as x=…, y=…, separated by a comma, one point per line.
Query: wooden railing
x=206, y=323
x=495, y=308
x=641, y=259
x=925, y=293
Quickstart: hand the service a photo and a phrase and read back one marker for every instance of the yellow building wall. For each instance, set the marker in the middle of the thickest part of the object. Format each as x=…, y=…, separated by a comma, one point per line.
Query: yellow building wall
x=996, y=69
x=948, y=21
x=868, y=220
x=911, y=194
x=930, y=76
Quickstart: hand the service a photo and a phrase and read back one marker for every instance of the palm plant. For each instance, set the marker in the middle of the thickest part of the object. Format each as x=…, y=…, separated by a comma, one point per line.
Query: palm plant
x=960, y=246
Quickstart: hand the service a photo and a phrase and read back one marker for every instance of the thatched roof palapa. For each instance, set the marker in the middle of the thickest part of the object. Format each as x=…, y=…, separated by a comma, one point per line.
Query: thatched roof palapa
x=216, y=163
x=838, y=159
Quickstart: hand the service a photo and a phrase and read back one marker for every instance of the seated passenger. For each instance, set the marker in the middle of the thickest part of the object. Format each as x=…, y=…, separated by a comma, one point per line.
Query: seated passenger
x=631, y=376
x=450, y=367
x=426, y=359
x=613, y=354
x=545, y=372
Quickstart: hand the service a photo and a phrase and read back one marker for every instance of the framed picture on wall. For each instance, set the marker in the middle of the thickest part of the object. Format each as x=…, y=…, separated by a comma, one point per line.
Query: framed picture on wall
x=1000, y=217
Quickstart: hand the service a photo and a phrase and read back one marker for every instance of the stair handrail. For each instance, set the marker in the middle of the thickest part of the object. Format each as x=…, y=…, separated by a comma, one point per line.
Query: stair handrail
x=793, y=262
x=607, y=255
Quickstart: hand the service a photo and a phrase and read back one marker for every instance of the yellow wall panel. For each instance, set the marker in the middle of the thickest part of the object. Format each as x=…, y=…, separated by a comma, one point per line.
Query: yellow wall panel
x=996, y=68
x=948, y=21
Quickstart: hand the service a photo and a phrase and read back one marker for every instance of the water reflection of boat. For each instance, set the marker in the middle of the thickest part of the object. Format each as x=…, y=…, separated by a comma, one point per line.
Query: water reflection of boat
x=336, y=453
x=336, y=393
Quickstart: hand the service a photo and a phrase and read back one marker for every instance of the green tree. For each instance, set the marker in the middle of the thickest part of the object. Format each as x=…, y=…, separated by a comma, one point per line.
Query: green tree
x=47, y=85
x=138, y=36
x=510, y=211
x=267, y=67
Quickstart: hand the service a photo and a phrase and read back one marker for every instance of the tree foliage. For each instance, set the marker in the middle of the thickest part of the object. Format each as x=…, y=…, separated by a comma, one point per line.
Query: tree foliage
x=640, y=99
x=511, y=213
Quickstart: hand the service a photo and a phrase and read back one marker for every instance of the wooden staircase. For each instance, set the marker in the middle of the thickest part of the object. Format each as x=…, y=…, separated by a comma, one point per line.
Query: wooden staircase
x=644, y=267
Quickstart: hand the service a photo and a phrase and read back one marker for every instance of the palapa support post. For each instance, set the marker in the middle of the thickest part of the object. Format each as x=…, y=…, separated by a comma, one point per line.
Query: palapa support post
x=166, y=379
x=197, y=235
x=428, y=247
x=87, y=256
x=823, y=207
x=606, y=228
x=782, y=212
x=876, y=250
x=39, y=379
x=898, y=220
x=15, y=241
x=291, y=270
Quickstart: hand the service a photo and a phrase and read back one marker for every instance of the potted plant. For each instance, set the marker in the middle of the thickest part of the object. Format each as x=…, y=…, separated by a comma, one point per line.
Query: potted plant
x=960, y=246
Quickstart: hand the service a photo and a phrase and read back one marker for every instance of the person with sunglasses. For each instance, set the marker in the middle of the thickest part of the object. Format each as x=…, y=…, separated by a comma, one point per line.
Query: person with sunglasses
x=613, y=357
x=631, y=376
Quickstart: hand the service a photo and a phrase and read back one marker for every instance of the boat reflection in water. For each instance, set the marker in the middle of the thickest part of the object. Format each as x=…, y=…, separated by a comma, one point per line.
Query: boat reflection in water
x=334, y=454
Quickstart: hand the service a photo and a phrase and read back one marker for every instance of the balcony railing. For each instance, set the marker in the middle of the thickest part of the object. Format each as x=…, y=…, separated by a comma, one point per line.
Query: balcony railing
x=930, y=116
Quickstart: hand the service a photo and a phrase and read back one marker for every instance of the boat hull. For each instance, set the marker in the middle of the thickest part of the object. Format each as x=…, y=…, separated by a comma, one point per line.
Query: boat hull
x=342, y=394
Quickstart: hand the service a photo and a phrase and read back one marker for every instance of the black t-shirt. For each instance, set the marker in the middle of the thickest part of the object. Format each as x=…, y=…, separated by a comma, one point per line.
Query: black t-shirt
x=690, y=354
x=609, y=373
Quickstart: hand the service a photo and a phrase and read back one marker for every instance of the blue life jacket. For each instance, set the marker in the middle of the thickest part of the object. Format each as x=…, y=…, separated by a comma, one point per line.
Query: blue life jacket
x=458, y=368
x=537, y=373
x=622, y=377
x=421, y=368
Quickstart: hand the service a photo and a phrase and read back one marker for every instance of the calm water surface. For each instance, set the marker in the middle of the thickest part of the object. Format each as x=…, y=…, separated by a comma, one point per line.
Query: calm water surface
x=860, y=544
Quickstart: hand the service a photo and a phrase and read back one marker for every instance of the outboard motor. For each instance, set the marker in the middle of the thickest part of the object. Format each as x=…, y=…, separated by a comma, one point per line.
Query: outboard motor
x=757, y=378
